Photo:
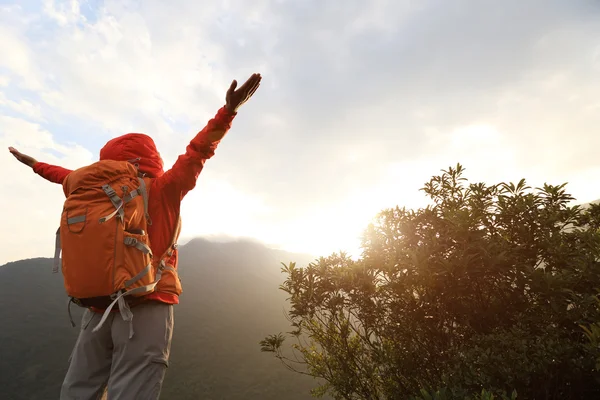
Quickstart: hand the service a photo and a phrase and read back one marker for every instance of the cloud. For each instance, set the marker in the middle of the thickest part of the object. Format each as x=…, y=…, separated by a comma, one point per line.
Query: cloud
x=441, y=65
x=361, y=102
x=23, y=107
x=31, y=206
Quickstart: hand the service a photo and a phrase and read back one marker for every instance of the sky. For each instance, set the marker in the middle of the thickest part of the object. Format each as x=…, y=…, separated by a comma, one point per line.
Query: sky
x=361, y=103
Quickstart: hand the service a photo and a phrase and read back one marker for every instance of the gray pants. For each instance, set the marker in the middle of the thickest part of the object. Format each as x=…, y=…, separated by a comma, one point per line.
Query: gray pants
x=108, y=365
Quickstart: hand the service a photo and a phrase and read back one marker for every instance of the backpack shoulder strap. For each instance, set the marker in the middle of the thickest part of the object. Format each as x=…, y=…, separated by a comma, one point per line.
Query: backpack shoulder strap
x=142, y=190
x=172, y=246
x=56, y=265
x=177, y=232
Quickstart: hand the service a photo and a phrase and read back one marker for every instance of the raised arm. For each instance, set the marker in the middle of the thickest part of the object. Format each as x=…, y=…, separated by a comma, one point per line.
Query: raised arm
x=52, y=173
x=182, y=177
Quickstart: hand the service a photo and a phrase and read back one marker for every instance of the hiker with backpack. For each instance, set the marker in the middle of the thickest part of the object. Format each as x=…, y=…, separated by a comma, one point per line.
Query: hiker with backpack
x=118, y=233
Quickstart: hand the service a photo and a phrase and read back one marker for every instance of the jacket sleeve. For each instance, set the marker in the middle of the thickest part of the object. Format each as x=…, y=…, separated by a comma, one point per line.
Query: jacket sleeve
x=52, y=173
x=182, y=177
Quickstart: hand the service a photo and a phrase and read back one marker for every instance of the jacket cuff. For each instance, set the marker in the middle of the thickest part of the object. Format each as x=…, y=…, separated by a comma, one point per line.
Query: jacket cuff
x=37, y=167
x=226, y=114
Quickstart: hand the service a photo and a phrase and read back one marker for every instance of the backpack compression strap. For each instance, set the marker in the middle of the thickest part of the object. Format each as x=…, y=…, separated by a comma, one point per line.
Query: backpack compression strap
x=126, y=313
x=124, y=307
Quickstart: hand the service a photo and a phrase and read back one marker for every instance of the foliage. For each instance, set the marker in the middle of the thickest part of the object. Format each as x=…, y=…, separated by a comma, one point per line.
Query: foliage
x=490, y=287
x=445, y=394
x=592, y=332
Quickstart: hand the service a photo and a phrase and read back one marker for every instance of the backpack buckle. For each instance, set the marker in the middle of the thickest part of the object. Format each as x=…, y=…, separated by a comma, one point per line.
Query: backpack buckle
x=109, y=190
x=130, y=241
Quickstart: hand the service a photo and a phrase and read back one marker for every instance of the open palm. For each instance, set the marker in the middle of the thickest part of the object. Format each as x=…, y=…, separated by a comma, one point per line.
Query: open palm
x=24, y=158
x=236, y=97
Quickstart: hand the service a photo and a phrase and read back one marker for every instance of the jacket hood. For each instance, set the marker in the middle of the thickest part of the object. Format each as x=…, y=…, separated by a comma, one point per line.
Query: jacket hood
x=137, y=148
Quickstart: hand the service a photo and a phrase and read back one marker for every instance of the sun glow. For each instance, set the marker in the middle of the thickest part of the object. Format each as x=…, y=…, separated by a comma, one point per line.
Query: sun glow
x=220, y=212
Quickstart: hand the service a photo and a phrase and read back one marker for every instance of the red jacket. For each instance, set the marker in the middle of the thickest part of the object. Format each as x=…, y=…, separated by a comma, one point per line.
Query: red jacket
x=167, y=188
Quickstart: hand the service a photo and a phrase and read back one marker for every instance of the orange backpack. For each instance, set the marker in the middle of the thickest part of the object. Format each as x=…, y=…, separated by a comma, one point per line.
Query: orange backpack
x=103, y=236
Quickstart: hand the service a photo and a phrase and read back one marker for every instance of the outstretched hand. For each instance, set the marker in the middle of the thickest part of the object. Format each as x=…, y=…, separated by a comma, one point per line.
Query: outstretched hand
x=24, y=158
x=235, y=98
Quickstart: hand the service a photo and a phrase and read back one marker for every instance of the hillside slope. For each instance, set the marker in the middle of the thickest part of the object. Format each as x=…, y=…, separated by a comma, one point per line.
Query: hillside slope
x=230, y=302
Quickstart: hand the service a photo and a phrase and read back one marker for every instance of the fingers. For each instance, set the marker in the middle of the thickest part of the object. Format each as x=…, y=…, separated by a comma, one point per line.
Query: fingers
x=23, y=158
x=256, y=84
x=253, y=84
x=246, y=85
x=232, y=88
x=18, y=155
x=250, y=83
x=235, y=98
x=253, y=90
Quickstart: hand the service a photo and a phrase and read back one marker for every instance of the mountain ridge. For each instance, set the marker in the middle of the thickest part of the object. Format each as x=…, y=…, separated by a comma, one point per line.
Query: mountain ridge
x=230, y=302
